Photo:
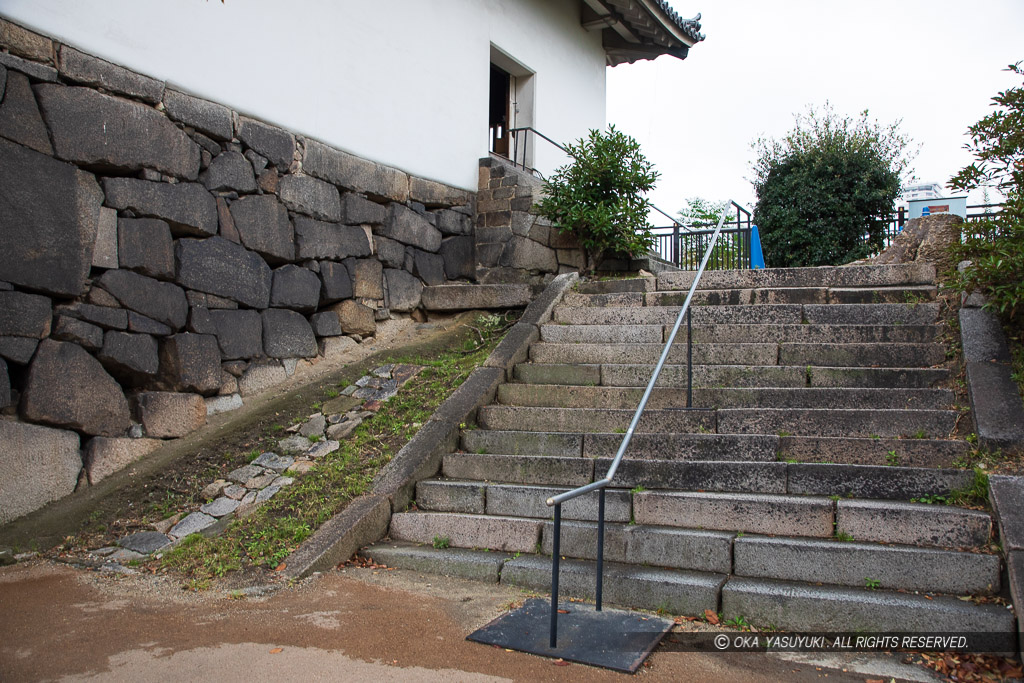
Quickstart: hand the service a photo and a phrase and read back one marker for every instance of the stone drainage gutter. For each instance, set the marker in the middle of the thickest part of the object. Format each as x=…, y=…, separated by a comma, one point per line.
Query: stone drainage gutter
x=366, y=519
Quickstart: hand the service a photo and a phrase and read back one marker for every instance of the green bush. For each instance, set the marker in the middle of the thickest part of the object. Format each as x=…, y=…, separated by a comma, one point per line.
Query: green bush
x=599, y=197
x=823, y=189
x=995, y=246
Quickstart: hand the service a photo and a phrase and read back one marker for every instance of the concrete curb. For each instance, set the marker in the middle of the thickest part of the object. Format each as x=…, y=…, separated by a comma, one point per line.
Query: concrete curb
x=366, y=519
x=995, y=402
x=1005, y=494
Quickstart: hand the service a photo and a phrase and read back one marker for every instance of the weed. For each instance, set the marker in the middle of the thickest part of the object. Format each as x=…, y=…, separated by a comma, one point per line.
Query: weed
x=637, y=489
x=317, y=406
x=971, y=438
x=737, y=622
x=332, y=393
x=314, y=437
x=973, y=494
x=785, y=434
x=619, y=430
x=931, y=499
x=919, y=434
x=843, y=536
x=442, y=542
x=276, y=428
x=834, y=497
x=872, y=584
x=252, y=455
x=892, y=458
x=481, y=451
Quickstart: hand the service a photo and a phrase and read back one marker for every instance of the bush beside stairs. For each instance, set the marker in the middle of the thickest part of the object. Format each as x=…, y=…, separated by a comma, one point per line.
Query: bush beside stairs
x=784, y=499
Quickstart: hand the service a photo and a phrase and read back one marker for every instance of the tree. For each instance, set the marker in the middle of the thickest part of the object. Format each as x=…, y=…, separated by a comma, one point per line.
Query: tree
x=599, y=196
x=824, y=189
x=702, y=213
x=995, y=246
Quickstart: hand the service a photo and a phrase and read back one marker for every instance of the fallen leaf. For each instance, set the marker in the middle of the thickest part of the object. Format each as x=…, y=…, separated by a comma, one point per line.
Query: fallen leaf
x=563, y=611
x=280, y=567
x=712, y=618
x=560, y=662
x=277, y=650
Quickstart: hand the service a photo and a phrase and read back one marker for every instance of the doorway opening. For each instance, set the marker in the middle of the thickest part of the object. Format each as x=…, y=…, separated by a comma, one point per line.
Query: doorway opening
x=511, y=108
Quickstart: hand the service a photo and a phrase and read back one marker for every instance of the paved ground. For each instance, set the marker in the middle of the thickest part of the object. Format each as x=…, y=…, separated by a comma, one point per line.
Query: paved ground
x=57, y=622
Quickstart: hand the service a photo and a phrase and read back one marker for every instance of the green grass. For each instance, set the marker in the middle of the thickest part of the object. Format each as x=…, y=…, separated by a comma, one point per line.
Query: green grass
x=442, y=542
x=843, y=536
x=872, y=584
x=275, y=529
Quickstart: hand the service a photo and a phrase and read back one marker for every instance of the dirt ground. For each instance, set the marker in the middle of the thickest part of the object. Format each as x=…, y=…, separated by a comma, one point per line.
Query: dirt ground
x=62, y=623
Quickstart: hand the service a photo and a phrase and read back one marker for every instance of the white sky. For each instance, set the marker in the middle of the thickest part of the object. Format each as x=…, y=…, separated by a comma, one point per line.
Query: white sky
x=934, y=64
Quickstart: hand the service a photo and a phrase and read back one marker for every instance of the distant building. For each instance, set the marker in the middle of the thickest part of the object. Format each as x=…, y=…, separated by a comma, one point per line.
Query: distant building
x=920, y=191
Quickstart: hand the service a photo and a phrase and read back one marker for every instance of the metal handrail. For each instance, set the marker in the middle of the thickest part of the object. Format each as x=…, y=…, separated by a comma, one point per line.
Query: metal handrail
x=601, y=484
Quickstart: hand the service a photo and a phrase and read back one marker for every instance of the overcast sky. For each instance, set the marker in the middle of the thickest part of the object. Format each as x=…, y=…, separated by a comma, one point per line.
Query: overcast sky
x=933, y=64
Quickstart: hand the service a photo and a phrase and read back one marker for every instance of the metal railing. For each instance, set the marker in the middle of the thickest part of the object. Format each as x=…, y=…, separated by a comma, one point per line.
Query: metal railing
x=894, y=222
x=601, y=484
x=683, y=246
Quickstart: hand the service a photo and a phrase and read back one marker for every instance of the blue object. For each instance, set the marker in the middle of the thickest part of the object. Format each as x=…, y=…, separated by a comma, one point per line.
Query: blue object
x=756, y=255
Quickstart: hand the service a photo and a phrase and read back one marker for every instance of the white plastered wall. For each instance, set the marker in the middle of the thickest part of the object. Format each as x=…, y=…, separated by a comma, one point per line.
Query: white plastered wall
x=401, y=82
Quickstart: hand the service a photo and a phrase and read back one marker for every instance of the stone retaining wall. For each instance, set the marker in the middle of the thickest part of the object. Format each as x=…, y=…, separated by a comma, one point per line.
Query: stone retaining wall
x=162, y=256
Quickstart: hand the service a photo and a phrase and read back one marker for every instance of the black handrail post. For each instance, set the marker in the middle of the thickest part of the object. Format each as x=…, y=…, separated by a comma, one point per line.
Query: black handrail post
x=555, y=549
x=600, y=548
x=689, y=357
x=675, y=245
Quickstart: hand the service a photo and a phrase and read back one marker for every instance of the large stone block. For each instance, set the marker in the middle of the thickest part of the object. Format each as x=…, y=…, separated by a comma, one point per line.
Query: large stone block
x=367, y=277
x=217, y=266
x=319, y=240
x=295, y=287
x=286, y=334
x=305, y=194
x=459, y=258
x=205, y=116
x=187, y=207
x=67, y=387
x=86, y=335
x=262, y=223
x=358, y=210
x=389, y=252
x=354, y=173
x=465, y=297
x=404, y=290
x=408, y=227
x=434, y=194
x=104, y=456
x=49, y=221
x=132, y=358
x=336, y=282
x=229, y=171
x=108, y=133
x=261, y=376
x=161, y=301
x=39, y=72
x=104, y=316
x=82, y=68
x=18, y=349
x=24, y=315
x=168, y=415
x=239, y=333
x=26, y=43
x=453, y=223
x=524, y=253
x=37, y=465
x=190, y=363
x=20, y=119
x=325, y=324
x=275, y=144
x=145, y=245
x=355, y=318
x=428, y=267
x=104, y=253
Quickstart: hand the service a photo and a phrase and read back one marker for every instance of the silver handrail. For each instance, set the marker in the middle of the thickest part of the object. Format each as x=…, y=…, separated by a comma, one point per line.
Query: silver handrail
x=601, y=483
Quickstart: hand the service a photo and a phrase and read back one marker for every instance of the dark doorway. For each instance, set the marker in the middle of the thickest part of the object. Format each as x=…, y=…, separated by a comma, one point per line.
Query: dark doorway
x=498, y=116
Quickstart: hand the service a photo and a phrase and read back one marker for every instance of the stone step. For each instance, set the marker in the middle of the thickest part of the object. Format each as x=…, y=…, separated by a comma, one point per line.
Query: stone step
x=593, y=419
x=735, y=376
x=889, y=521
x=513, y=500
x=862, y=355
x=733, y=447
x=510, y=534
x=823, y=276
x=789, y=605
x=837, y=422
x=637, y=284
x=893, y=567
x=519, y=469
x=705, y=354
x=776, y=295
x=807, y=334
x=469, y=297
x=873, y=451
x=672, y=591
x=567, y=396
x=769, y=314
x=475, y=565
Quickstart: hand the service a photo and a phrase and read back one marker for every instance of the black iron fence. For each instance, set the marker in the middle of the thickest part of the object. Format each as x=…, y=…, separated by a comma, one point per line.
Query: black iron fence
x=684, y=245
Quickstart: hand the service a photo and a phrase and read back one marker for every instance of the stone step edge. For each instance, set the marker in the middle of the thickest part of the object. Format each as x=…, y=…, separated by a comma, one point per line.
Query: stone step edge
x=466, y=564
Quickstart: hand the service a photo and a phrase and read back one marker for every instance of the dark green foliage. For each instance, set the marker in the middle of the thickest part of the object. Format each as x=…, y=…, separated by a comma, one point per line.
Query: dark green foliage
x=599, y=197
x=995, y=246
x=822, y=190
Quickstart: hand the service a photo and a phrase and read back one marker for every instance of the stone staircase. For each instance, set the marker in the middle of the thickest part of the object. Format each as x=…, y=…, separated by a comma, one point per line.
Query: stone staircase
x=784, y=497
